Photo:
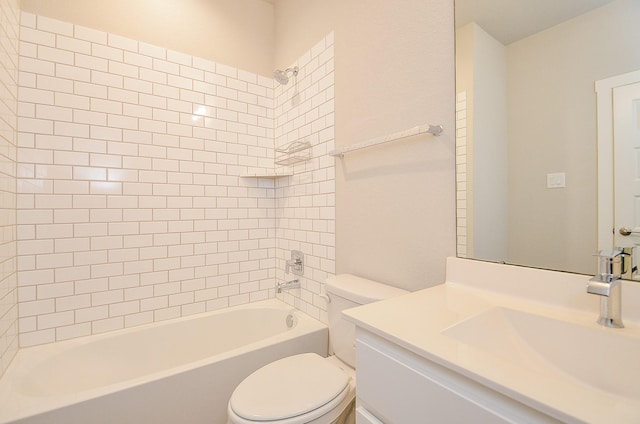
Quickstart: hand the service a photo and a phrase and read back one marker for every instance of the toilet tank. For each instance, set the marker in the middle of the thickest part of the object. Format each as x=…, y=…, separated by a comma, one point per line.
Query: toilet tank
x=348, y=291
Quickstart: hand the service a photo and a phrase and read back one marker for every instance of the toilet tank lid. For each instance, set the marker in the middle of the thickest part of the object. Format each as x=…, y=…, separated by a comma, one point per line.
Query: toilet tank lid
x=360, y=290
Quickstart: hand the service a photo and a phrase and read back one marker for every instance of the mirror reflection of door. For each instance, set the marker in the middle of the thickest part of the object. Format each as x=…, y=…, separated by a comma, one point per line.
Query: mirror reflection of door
x=626, y=165
x=618, y=111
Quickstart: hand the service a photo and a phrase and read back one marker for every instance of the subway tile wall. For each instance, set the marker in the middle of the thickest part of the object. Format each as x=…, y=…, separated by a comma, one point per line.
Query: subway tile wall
x=463, y=223
x=305, y=212
x=131, y=203
x=9, y=29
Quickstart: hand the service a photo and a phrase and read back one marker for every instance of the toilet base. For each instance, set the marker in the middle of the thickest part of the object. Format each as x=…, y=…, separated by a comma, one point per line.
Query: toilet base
x=348, y=416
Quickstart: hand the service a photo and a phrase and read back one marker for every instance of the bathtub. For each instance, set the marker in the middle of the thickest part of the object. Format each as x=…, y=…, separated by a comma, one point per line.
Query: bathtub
x=174, y=372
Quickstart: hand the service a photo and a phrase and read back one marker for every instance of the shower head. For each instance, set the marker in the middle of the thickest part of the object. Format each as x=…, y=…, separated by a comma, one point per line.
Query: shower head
x=282, y=77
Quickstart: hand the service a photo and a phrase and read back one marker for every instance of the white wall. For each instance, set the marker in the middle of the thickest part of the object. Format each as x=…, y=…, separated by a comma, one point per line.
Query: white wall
x=305, y=208
x=553, y=74
x=490, y=184
x=395, y=206
x=396, y=222
x=9, y=20
x=464, y=140
x=238, y=33
x=464, y=222
x=132, y=207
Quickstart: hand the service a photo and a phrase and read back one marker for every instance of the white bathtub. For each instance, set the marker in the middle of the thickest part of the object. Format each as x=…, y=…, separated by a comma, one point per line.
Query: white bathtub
x=174, y=372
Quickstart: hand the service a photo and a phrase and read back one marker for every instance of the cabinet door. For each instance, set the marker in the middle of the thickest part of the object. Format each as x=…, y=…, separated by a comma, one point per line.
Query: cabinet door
x=399, y=387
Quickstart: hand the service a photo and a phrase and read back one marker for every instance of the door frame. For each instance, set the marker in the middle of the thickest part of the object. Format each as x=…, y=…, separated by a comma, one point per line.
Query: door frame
x=604, y=111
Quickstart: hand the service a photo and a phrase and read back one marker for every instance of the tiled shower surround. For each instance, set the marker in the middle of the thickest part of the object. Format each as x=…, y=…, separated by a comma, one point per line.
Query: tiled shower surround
x=9, y=29
x=132, y=206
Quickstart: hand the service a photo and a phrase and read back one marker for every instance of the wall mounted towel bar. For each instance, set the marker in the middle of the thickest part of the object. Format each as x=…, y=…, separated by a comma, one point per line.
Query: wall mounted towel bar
x=423, y=129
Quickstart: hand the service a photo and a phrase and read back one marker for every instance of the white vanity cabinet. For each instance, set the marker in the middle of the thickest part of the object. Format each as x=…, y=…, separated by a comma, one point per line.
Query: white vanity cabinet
x=396, y=386
x=496, y=344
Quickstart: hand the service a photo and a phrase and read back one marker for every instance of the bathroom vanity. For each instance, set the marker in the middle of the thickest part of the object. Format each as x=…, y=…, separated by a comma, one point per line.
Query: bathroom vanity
x=498, y=344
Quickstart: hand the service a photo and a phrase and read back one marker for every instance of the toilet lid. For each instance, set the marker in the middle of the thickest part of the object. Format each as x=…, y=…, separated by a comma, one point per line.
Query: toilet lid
x=289, y=387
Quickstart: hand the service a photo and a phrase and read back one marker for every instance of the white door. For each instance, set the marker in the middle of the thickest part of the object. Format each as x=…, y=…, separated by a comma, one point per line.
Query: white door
x=626, y=165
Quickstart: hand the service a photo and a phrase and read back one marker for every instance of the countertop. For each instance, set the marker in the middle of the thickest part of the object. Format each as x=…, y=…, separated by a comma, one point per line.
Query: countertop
x=416, y=322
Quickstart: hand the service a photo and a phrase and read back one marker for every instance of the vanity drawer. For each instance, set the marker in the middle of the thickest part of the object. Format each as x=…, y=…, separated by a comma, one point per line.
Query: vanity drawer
x=399, y=387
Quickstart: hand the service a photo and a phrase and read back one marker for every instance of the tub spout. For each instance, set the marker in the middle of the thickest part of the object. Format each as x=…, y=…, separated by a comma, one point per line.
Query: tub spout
x=287, y=285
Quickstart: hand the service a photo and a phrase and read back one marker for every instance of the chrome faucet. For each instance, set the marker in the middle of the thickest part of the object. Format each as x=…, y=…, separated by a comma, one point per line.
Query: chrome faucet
x=606, y=283
x=287, y=285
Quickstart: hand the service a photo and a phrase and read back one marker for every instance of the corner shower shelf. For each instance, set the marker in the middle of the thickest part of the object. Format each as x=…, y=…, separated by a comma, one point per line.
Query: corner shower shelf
x=294, y=152
x=289, y=154
x=267, y=175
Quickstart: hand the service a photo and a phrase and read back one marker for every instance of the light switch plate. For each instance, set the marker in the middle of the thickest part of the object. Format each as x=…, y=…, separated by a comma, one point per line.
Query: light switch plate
x=556, y=180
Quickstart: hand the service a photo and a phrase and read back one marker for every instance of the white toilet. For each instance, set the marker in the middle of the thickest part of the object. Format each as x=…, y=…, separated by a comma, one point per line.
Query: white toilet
x=308, y=388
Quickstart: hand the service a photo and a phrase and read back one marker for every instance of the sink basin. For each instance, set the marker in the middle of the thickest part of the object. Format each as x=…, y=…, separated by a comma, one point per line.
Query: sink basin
x=607, y=359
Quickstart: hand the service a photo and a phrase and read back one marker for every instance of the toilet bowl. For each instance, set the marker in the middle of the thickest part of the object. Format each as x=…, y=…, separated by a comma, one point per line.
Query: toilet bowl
x=307, y=388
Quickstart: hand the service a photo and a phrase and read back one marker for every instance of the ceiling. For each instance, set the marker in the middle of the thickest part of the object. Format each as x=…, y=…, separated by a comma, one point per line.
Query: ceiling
x=511, y=20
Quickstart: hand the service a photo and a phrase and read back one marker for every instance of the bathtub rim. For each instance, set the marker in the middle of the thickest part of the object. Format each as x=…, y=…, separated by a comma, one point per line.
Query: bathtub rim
x=17, y=405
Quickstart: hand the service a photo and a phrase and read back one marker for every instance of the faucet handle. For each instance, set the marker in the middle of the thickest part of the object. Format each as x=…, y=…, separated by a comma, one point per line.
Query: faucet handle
x=597, y=286
x=606, y=253
x=610, y=265
x=296, y=263
x=629, y=269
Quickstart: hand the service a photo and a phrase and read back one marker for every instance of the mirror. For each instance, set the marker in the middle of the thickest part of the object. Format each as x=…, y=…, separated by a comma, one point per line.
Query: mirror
x=526, y=125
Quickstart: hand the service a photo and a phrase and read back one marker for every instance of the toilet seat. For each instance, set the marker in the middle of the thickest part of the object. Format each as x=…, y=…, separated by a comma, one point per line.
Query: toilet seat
x=292, y=390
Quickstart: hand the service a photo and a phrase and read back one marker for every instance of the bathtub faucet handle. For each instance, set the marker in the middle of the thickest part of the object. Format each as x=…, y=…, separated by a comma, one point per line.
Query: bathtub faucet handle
x=296, y=263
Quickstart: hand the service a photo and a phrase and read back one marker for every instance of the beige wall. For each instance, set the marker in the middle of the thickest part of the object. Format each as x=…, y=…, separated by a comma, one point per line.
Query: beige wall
x=238, y=33
x=553, y=73
x=395, y=205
